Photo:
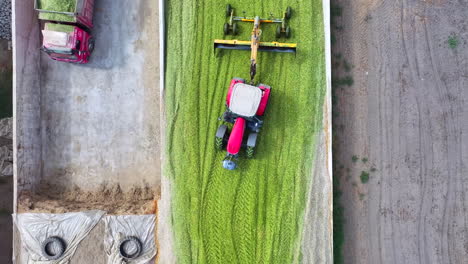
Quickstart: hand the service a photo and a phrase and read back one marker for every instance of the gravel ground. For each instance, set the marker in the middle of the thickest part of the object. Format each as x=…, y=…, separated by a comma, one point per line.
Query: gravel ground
x=5, y=19
x=6, y=147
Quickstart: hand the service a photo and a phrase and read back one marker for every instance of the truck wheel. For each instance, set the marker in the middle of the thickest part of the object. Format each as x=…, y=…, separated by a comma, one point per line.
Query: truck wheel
x=288, y=32
x=228, y=10
x=53, y=248
x=220, y=136
x=278, y=32
x=288, y=12
x=235, y=29
x=226, y=29
x=130, y=247
x=91, y=45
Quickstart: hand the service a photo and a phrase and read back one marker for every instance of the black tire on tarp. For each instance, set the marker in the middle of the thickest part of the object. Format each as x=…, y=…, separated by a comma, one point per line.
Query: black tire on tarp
x=132, y=240
x=53, y=248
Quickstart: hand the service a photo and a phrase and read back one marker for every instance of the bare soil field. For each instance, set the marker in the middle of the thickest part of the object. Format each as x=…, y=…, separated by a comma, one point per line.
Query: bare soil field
x=400, y=122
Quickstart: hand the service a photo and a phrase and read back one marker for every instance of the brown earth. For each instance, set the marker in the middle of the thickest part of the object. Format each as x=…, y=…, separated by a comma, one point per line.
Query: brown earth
x=110, y=198
x=405, y=116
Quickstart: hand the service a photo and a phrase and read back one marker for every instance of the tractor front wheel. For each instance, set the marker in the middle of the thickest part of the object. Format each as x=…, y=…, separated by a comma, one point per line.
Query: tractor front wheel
x=228, y=10
x=251, y=143
x=220, y=136
x=288, y=12
x=250, y=152
x=235, y=29
x=219, y=144
x=288, y=32
x=226, y=29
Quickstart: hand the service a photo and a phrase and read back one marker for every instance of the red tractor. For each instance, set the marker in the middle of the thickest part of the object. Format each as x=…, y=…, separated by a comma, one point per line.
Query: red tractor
x=246, y=106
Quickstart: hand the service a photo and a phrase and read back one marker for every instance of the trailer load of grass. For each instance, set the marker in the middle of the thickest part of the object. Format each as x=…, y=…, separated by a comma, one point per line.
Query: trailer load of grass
x=59, y=27
x=68, y=6
x=253, y=214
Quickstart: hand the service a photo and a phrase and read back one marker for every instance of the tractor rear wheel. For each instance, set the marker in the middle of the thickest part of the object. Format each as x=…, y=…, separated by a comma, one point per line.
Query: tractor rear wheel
x=226, y=29
x=228, y=10
x=235, y=29
x=288, y=12
x=288, y=32
x=278, y=32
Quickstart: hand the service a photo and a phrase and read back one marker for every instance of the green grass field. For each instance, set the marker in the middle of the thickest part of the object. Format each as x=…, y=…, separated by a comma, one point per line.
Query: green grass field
x=253, y=214
x=59, y=6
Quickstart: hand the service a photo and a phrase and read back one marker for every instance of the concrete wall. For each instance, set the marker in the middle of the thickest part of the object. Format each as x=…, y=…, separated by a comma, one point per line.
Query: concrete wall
x=27, y=142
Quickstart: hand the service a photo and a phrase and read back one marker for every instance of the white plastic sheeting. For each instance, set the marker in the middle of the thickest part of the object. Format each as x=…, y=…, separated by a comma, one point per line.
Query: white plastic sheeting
x=35, y=228
x=119, y=227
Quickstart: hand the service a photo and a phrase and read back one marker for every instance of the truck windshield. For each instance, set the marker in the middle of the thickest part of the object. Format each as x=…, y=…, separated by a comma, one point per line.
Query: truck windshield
x=65, y=51
x=60, y=53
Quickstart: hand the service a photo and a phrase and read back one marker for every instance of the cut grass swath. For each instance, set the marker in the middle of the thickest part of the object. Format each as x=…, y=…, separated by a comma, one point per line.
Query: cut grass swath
x=253, y=214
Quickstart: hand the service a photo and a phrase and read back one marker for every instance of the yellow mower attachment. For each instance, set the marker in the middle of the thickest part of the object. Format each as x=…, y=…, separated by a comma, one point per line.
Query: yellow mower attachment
x=254, y=45
x=263, y=46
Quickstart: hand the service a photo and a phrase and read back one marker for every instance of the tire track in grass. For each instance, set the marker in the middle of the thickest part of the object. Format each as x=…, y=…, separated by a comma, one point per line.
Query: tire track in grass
x=243, y=220
x=252, y=215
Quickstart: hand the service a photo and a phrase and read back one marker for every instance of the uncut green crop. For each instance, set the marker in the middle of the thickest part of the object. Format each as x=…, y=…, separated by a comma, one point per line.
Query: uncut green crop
x=59, y=6
x=253, y=214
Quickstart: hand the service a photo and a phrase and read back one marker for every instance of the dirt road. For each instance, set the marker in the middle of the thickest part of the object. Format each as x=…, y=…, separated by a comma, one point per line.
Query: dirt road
x=403, y=121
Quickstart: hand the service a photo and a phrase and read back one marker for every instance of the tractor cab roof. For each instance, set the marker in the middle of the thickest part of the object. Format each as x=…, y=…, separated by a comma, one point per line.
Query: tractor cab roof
x=245, y=99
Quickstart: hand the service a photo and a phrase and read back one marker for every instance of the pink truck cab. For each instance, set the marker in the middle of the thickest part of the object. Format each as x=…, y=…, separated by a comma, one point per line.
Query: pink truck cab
x=66, y=31
x=67, y=43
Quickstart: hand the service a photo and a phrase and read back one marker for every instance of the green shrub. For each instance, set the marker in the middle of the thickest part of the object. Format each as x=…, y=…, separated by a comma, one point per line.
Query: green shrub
x=364, y=176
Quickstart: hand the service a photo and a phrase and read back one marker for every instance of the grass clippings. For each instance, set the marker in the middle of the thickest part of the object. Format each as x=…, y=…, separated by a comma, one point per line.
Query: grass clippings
x=58, y=6
x=60, y=27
